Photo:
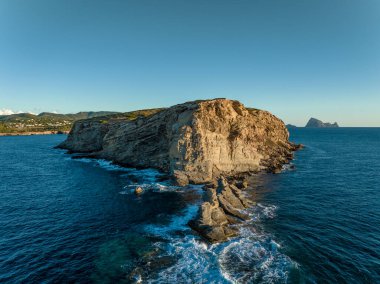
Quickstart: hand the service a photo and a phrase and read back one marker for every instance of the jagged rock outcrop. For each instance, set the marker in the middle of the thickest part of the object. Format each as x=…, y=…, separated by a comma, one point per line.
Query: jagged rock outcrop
x=316, y=123
x=194, y=142
x=223, y=206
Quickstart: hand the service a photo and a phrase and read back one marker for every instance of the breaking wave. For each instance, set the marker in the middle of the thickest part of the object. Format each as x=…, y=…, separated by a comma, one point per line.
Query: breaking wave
x=254, y=256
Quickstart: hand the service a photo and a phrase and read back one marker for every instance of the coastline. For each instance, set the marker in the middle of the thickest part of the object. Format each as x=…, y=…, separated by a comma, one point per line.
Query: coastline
x=34, y=133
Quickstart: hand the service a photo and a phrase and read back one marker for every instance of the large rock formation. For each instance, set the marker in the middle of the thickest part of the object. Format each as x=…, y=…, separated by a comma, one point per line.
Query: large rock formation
x=196, y=142
x=223, y=206
x=193, y=142
x=316, y=123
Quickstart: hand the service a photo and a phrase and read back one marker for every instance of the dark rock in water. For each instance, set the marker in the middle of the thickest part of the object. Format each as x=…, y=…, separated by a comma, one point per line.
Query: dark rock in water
x=223, y=206
x=117, y=258
x=150, y=263
x=138, y=190
x=298, y=147
x=241, y=183
x=316, y=123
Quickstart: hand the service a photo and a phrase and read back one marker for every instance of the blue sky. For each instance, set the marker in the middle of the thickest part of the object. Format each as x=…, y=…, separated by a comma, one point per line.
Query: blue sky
x=296, y=59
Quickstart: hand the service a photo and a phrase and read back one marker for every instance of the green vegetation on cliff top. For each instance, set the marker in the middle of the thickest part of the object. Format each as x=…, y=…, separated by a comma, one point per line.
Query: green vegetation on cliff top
x=46, y=121
x=26, y=122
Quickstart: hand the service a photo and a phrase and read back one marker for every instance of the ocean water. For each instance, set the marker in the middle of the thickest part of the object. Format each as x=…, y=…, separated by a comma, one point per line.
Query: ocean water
x=78, y=221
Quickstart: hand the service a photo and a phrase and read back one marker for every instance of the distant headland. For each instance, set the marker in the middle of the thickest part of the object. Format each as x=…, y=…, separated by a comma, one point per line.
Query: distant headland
x=316, y=123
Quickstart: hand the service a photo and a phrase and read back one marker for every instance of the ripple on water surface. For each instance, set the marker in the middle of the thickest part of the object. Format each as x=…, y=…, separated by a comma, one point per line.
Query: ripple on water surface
x=64, y=220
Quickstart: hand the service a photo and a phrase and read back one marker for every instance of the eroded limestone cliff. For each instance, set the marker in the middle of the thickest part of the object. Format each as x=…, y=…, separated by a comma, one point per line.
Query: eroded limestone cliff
x=193, y=142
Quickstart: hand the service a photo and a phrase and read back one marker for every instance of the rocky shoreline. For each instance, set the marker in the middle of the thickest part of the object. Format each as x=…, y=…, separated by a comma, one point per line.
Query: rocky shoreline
x=34, y=133
x=216, y=142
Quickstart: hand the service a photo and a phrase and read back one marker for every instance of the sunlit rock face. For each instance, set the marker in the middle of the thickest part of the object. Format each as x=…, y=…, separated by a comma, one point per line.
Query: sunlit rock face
x=194, y=142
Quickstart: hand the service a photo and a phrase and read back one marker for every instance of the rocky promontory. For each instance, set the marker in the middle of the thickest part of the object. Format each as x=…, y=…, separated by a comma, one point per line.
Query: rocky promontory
x=200, y=142
x=316, y=123
x=194, y=142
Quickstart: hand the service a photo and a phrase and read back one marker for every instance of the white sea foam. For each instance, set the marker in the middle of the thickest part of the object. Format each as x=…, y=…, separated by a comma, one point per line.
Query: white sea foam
x=82, y=160
x=267, y=211
x=288, y=167
x=148, y=175
x=107, y=165
x=177, y=223
x=254, y=256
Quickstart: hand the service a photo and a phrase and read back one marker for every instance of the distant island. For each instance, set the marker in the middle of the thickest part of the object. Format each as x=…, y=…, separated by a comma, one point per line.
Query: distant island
x=45, y=122
x=316, y=123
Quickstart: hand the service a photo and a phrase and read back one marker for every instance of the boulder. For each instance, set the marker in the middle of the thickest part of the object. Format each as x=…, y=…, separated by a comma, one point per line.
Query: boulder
x=138, y=190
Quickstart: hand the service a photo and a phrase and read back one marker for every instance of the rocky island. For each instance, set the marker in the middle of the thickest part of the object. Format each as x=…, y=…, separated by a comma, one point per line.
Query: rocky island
x=316, y=123
x=214, y=142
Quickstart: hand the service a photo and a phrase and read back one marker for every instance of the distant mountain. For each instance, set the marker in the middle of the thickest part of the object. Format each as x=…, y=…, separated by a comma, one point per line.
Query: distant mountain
x=316, y=123
x=54, y=116
x=77, y=116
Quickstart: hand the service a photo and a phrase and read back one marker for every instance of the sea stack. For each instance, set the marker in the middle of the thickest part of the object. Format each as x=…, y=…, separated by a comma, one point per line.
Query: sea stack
x=194, y=142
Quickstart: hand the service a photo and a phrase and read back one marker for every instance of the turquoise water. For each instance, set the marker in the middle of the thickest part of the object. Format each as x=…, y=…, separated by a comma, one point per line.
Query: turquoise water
x=64, y=220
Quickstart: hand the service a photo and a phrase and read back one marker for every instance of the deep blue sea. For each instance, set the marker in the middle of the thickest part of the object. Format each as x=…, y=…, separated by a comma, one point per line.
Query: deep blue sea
x=78, y=221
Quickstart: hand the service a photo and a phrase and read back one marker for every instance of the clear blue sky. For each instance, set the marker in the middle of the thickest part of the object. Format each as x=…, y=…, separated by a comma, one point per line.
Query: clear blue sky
x=297, y=59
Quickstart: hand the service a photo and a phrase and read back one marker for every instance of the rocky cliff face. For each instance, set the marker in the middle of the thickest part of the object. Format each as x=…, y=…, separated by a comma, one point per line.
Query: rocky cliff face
x=193, y=142
x=313, y=122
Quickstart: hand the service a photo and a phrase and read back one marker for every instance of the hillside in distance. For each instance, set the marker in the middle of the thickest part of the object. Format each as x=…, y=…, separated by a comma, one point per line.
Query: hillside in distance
x=46, y=121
